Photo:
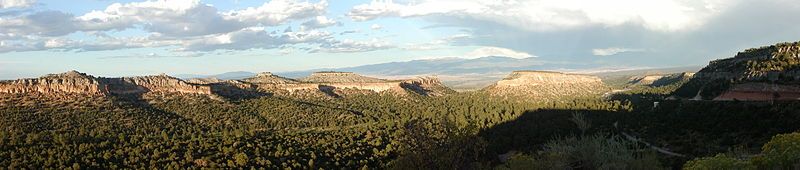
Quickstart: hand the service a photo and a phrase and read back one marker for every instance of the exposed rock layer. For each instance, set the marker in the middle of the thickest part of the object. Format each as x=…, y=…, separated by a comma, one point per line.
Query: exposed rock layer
x=327, y=83
x=80, y=83
x=541, y=84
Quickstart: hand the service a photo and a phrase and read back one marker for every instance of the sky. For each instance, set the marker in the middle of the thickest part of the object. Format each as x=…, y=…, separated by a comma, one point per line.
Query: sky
x=125, y=38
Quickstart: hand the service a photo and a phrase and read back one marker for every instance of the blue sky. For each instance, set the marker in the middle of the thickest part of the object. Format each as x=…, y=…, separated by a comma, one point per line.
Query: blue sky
x=124, y=38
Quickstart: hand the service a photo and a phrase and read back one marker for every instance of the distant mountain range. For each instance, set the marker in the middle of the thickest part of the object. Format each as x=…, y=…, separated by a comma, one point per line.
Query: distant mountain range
x=457, y=73
x=453, y=71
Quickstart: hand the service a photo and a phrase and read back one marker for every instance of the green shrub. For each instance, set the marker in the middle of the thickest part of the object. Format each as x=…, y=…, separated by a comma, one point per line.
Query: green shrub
x=588, y=152
x=720, y=161
x=783, y=151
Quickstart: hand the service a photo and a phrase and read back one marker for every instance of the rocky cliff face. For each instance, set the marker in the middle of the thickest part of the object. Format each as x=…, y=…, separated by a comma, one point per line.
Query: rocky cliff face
x=344, y=83
x=69, y=82
x=80, y=83
x=775, y=64
x=159, y=83
x=324, y=84
x=547, y=85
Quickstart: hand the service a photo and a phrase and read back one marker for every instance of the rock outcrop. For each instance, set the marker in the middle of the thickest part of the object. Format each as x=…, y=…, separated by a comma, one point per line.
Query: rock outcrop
x=760, y=92
x=69, y=82
x=547, y=85
x=734, y=78
x=160, y=83
x=326, y=83
x=269, y=78
x=80, y=83
x=345, y=83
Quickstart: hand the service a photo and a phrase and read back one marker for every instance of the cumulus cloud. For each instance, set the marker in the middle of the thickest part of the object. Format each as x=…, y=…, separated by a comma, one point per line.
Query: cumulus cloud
x=612, y=51
x=189, y=25
x=16, y=3
x=318, y=22
x=496, y=51
x=278, y=11
x=550, y=15
x=44, y=23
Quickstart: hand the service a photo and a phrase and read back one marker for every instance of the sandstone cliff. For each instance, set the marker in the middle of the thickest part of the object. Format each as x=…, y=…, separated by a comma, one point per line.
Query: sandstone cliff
x=339, y=84
x=80, y=83
x=69, y=82
x=322, y=84
x=160, y=83
x=547, y=85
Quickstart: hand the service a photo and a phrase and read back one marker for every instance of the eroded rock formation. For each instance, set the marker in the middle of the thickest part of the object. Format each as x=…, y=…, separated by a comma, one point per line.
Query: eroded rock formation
x=325, y=83
x=69, y=82
x=547, y=85
x=269, y=78
x=80, y=83
x=344, y=83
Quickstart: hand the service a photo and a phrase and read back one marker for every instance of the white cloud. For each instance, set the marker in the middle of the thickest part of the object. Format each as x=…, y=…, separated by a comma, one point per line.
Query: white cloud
x=550, y=15
x=278, y=11
x=351, y=46
x=496, y=51
x=612, y=51
x=16, y=3
x=375, y=27
x=438, y=43
x=318, y=22
x=187, y=25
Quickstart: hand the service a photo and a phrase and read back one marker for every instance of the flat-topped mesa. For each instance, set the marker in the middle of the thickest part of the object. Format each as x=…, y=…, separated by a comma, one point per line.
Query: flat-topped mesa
x=69, y=82
x=340, y=77
x=545, y=84
x=269, y=78
x=531, y=78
